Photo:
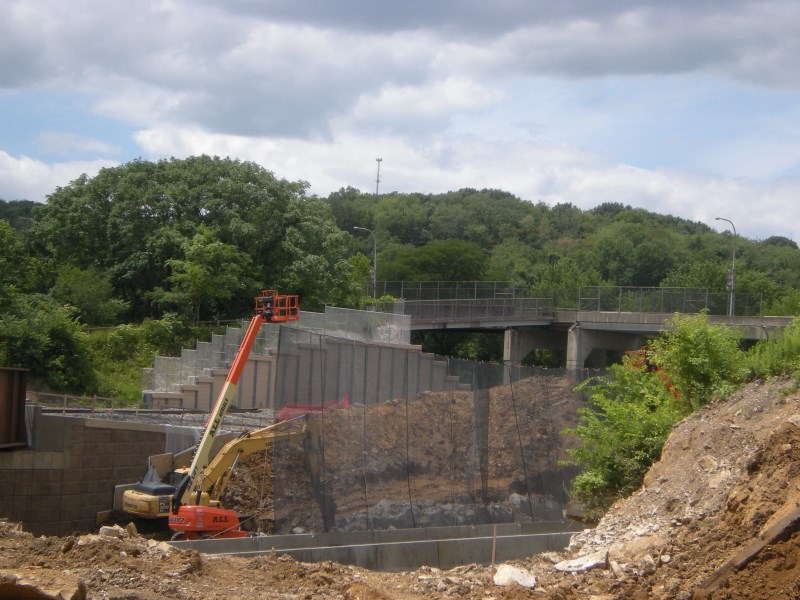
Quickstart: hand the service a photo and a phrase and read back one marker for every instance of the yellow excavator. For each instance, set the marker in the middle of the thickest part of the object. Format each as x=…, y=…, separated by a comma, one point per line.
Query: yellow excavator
x=155, y=500
x=192, y=503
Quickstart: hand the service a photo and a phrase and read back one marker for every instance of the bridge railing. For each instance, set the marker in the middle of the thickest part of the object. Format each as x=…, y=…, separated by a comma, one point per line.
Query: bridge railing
x=483, y=309
x=666, y=300
x=491, y=297
x=449, y=290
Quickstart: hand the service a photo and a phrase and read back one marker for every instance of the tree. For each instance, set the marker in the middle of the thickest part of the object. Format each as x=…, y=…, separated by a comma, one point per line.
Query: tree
x=12, y=256
x=130, y=221
x=622, y=433
x=210, y=273
x=17, y=213
x=90, y=292
x=403, y=218
x=511, y=260
x=699, y=358
x=440, y=260
x=43, y=336
x=613, y=259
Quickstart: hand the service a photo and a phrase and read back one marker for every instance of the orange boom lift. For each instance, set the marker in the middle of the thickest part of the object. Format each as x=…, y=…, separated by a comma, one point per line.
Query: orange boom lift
x=188, y=518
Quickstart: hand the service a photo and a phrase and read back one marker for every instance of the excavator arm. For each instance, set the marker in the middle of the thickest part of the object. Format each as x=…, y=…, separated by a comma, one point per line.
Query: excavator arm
x=213, y=480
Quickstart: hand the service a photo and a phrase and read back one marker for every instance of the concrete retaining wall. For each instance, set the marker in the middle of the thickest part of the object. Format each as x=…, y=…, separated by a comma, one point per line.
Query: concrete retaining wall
x=405, y=549
x=68, y=473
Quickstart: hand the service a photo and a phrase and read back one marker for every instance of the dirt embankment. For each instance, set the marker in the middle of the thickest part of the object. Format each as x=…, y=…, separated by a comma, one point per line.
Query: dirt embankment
x=729, y=474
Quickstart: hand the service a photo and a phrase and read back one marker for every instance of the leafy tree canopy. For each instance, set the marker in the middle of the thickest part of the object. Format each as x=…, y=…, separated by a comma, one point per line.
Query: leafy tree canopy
x=135, y=224
x=440, y=260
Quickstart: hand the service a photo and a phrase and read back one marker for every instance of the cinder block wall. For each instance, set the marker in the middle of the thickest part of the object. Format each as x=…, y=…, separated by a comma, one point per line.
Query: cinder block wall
x=68, y=474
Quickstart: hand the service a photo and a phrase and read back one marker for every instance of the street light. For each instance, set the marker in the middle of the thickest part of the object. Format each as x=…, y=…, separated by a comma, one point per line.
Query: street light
x=732, y=282
x=374, y=274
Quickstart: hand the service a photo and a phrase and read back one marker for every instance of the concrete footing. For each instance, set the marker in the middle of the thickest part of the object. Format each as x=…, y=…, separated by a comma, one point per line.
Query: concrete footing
x=405, y=549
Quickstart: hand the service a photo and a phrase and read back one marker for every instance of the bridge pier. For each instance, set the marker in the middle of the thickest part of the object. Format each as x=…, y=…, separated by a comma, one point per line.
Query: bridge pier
x=588, y=347
x=584, y=347
x=519, y=341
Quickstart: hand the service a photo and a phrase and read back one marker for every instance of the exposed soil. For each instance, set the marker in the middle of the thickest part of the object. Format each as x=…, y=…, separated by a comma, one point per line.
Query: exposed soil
x=431, y=451
x=728, y=474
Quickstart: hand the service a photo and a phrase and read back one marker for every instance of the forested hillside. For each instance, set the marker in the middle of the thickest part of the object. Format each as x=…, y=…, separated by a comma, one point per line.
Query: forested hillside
x=493, y=235
x=157, y=249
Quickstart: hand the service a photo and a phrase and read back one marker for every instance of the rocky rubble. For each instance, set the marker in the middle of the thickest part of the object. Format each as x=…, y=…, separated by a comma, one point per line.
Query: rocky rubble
x=727, y=487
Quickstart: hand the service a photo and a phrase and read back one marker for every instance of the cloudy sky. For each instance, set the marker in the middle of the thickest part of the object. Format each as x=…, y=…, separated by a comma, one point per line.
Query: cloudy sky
x=683, y=107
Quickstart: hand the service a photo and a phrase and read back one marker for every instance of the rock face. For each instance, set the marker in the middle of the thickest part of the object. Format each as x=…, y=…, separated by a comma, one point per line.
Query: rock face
x=716, y=518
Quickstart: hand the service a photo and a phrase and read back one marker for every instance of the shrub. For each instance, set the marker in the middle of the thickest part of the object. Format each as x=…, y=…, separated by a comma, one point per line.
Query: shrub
x=622, y=432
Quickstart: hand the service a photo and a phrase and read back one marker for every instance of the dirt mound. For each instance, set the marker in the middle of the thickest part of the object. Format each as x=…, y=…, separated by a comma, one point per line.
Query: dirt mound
x=728, y=473
x=728, y=479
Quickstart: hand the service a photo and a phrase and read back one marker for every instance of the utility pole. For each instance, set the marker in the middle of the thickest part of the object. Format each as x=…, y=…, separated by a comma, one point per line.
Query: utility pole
x=378, y=178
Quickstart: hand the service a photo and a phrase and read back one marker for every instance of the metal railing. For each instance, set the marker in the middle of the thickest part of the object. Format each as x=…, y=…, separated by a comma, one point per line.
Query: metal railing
x=448, y=290
x=500, y=298
x=499, y=309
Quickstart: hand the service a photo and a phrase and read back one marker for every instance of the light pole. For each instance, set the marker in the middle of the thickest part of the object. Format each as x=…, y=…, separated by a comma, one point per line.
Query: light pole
x=732, y=281
x=374, y=274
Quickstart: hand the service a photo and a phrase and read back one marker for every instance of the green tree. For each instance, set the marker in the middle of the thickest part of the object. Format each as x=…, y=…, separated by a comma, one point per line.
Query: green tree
x=706, y=274
x=131, y=221
x=210, y=273
x=440, y=260
x=511, y=260
x=622, y=431
x=402, y=218
x=787, y=304
x=613, y=259
x=699, y=358
x=778, y=355
x=43, y=336
x=17, y=213
x=12, y=256
x=90, y=292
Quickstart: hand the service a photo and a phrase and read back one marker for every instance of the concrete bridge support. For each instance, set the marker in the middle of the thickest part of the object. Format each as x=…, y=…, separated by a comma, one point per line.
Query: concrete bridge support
x=519, y=341
x=584, y=347
x=588, y=347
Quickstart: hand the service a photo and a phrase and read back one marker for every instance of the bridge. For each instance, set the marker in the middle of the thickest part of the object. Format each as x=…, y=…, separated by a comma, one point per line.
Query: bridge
x=585, y=323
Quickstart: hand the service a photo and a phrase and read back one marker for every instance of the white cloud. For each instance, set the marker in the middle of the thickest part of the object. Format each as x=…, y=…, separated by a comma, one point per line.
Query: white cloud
x=64, y=144
x=25, y=178
x=654, y=104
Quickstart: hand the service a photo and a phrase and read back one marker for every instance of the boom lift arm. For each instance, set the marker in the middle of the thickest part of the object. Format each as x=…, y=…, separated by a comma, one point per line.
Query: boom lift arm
x=269, y=307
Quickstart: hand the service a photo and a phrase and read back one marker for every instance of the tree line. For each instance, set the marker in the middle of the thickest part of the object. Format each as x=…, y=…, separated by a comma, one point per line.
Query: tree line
x=193, y=240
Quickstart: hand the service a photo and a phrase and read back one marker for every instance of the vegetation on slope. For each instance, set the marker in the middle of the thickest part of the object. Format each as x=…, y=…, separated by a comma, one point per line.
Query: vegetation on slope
x=631, y=410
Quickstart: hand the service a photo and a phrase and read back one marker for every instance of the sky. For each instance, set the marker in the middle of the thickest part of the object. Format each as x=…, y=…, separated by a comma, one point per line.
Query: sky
x=684, y=107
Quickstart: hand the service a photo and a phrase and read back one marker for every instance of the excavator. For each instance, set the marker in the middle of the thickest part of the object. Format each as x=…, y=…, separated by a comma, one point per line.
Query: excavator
x=192, y=505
